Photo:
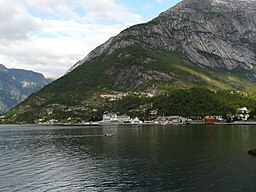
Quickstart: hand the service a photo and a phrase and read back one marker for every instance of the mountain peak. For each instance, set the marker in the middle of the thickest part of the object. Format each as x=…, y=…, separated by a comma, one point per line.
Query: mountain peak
x=186, y=24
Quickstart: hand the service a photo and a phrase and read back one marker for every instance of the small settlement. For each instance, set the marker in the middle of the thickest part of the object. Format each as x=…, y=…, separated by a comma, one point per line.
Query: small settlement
x=242, y=114
x=111, y=118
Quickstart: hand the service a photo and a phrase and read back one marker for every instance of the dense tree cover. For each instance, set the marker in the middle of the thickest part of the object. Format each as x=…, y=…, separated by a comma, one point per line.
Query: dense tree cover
x=201, y=101
x=186, y=102
x=189, y=102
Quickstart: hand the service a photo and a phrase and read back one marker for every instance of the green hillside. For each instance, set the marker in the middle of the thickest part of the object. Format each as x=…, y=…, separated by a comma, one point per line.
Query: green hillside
x=133, y=70
x=196, y=58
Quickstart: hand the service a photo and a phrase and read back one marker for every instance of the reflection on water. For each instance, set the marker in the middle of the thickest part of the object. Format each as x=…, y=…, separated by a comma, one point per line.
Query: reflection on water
x=136, y=158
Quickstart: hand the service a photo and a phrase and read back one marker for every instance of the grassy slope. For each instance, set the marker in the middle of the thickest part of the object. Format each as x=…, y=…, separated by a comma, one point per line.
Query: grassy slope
x=83, y=86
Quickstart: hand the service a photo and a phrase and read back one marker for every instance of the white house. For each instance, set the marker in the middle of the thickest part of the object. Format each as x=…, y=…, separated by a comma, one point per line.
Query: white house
x=171, y=119
x=135, y=121
x=110, y=117
x=242, y=113
x=123, y=118
x=243, y=117
x=242, y=110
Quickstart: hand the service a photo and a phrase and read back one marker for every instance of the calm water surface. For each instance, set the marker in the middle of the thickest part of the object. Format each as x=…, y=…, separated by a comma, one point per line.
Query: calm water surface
x=136, y=158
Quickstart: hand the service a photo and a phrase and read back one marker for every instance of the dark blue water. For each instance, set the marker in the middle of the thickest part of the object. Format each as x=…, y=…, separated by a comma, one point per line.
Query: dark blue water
x=145, y=158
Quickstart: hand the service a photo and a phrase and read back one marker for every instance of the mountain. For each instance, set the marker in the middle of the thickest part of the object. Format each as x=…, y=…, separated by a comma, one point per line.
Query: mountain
x=16, y=85
x=206, y=44
x=215, y=33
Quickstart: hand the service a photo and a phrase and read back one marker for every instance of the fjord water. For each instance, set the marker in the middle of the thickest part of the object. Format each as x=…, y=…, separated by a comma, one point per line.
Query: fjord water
x=135, y=158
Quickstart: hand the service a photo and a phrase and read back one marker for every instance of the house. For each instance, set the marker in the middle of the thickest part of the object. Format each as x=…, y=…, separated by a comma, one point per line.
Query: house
x=171, y=119
x=242, y=110
x=123, y=119
x=153, y=112
x=242, y=113
x=136, y=121
x=110, y=117
x=243, y=117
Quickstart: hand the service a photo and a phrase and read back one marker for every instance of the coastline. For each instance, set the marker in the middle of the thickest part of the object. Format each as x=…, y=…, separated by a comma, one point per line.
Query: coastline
x=97, y=124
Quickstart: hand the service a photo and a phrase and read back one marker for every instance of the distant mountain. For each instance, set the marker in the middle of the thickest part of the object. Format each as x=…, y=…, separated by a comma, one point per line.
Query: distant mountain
x=16, y=85
x=207, y=44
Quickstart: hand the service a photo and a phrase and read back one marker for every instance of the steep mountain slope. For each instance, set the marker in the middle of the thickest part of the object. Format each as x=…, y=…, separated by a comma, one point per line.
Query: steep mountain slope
x=215, y=33
x=198, y=43
x=16, y=85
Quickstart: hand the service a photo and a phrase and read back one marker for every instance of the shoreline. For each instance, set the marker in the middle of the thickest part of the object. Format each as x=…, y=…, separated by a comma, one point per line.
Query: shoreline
x=97, y=124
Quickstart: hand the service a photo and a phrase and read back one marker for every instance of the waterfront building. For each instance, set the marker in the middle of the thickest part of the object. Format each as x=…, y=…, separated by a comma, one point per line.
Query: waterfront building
x=112, y=117
x=123, y=119
x=171, y=119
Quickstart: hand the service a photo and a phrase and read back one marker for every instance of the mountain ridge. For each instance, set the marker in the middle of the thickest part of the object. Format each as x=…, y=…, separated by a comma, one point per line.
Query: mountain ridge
x=187, y=10
x=17, y=84
x=194, y=44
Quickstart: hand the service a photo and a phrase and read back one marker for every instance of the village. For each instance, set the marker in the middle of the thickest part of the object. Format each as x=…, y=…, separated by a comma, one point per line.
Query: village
x=241, y=116
x=112, y=118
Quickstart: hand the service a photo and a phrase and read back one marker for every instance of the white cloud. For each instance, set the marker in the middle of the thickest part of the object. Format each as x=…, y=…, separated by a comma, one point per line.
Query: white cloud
x=50, y=36
x=16, y=23
x=110, y=10
x=89, y=10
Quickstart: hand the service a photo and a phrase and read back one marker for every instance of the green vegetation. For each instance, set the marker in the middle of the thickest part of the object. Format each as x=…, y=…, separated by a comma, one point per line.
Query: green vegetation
x=201, y=102
x=132, y=65
x=186, y=102
x=189, y=102
x=182, y=87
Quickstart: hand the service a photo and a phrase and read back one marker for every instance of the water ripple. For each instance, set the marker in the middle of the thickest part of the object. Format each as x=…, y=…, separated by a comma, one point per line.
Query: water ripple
x=135, y=159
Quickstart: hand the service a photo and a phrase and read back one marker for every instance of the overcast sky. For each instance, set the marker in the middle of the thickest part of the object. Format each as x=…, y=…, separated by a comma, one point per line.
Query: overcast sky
x=50, y=36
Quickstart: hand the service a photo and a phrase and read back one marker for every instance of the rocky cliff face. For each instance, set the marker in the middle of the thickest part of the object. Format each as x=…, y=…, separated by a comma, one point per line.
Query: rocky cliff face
x=214, y=33
x=16, y=85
